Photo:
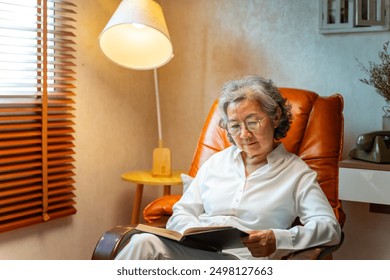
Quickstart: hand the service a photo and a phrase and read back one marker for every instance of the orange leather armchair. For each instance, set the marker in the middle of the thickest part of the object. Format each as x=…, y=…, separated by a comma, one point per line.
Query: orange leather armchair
x=316, y=135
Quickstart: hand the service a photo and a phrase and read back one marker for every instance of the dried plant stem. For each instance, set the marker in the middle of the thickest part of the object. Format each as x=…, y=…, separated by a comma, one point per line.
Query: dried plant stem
x=379, y=73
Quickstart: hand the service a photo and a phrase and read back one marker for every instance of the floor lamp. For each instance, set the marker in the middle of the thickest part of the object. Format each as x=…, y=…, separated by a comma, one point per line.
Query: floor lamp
x=136, y=37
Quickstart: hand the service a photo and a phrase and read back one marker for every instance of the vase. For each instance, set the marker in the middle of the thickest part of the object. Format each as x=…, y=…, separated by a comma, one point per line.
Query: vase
x=386, y=116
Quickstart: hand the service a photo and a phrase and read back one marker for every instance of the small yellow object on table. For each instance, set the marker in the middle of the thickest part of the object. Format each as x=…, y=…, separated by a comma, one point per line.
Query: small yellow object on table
x=145, y=177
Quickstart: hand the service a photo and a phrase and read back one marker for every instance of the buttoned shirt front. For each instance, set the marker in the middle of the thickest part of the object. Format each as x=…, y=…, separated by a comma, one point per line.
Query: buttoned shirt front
x=269, y=198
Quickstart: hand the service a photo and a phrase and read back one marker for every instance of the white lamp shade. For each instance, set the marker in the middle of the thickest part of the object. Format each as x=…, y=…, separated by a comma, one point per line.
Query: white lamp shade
x=136, y=36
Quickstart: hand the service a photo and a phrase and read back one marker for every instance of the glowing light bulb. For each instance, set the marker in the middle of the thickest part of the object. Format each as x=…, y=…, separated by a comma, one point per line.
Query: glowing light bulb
x=138, y=25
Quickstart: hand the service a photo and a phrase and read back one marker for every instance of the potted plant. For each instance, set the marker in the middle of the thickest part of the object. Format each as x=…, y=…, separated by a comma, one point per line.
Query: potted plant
x=379, y=78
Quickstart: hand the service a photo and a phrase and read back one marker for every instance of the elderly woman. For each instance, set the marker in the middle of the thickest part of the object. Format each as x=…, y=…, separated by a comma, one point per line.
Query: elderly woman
x=254, y=185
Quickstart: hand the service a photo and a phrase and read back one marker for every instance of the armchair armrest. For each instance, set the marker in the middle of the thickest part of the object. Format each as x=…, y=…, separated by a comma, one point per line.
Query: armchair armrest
x=112, y=241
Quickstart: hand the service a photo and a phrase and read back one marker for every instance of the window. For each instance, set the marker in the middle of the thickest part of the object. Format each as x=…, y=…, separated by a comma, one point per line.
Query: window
x=340, y=16
x=36, y=111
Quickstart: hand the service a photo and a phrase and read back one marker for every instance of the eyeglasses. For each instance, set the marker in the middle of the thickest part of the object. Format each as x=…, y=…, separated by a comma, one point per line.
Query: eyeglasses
x=251, y=124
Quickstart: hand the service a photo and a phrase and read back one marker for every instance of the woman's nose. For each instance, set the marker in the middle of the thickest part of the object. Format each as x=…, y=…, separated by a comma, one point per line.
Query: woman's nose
x=244, y=132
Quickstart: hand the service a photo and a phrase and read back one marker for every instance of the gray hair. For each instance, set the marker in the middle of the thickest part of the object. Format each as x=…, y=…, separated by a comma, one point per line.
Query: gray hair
x=262, y=91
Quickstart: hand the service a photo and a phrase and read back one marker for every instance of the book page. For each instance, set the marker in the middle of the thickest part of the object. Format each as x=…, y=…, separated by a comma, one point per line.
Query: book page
x=213, y=238
x=171, y=234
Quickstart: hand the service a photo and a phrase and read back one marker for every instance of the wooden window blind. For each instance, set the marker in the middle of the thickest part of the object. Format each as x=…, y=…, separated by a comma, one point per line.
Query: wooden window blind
x=37, y=56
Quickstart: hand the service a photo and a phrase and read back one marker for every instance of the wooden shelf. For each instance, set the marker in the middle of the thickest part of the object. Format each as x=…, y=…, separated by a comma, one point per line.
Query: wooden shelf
x=360, y=164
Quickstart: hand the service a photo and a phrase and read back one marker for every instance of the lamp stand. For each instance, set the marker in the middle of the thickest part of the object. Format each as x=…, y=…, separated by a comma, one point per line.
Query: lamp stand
x=161, y=156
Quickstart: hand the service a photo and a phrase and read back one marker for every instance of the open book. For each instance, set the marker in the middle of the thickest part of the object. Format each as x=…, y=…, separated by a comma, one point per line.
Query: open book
x=204, y=238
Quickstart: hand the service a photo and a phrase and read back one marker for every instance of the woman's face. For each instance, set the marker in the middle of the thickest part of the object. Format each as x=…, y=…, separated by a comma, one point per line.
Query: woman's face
x=258, y=143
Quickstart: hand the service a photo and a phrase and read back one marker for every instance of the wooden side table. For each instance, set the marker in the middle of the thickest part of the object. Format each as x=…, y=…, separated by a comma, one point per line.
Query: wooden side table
x=144, y=177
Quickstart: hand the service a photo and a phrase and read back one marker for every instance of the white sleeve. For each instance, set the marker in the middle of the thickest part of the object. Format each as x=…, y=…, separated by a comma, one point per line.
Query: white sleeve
x=320, y=226
x=190, y=206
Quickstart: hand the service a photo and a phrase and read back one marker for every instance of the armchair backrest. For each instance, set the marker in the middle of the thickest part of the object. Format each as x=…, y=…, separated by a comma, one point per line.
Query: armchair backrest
x=316, y=135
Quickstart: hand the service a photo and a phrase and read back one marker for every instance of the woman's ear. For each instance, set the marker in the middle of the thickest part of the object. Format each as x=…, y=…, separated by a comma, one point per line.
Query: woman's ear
x=278, y=116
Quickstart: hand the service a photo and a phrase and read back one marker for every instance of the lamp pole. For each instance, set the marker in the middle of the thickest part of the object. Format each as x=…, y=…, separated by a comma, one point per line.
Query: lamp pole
x=136, y=37
x=156, y=90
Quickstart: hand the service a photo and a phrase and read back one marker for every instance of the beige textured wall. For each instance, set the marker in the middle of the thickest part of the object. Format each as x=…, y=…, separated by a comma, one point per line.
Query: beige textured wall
x=214, y=40
x=217, y=40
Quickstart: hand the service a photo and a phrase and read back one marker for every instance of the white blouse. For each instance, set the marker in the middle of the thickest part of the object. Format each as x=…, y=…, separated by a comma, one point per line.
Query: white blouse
x=269, y=198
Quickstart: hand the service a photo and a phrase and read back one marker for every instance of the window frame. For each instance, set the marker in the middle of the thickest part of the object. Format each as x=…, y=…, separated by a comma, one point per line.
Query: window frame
x=349, y=16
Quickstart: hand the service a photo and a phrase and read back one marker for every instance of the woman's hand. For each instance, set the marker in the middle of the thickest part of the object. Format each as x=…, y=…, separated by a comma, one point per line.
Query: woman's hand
x=261, y=243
